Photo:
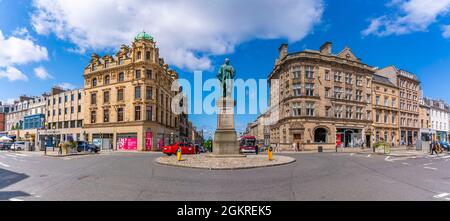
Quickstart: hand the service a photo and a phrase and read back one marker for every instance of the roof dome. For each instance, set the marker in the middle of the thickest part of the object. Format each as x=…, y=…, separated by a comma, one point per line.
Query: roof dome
x=143, y=36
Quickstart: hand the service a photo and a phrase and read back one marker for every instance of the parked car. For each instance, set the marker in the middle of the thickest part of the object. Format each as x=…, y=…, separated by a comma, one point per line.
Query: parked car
x=185, y=149
x=5, y=145
x=85, y=146
x=200, y=148
x=444, y=145
x=19, y=145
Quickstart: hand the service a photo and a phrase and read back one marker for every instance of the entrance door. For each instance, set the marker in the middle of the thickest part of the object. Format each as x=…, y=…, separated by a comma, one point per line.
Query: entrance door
x=368, y=141
x=297, y=141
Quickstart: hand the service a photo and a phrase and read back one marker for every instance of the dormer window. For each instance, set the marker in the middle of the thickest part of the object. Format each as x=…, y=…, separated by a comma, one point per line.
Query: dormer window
x=120, y=61
x=106, y=64
x=94, y=82
x=93, y=67
x=139, y=55
x=147, y=55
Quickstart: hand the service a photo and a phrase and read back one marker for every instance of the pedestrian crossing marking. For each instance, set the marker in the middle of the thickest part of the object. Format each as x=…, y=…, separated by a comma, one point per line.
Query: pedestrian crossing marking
x=441, y=195
x=4, y=165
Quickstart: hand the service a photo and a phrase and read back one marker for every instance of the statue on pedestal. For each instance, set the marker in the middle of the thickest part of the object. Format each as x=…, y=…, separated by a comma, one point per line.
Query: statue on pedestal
x=226, y=76
x=225, y=138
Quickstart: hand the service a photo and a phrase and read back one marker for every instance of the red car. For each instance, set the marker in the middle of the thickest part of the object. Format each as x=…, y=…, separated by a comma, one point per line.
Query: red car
x=185, y=149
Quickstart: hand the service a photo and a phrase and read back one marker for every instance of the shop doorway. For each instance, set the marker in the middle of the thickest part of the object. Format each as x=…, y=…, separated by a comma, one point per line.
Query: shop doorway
x=368, y=141
x=297, y=141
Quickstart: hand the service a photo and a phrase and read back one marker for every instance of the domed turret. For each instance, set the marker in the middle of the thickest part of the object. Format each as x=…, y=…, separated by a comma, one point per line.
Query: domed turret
x=143, y=36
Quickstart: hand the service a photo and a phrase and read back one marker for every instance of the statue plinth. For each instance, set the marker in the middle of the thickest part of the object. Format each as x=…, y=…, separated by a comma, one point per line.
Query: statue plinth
x=225, y=138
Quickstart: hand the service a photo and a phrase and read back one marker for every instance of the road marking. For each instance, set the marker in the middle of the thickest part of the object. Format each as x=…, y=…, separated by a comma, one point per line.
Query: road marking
x=430, y=168
x=15, y=199
x=427, y=164
x=352, y=154
x=21, y=154
x=369, y=155
x=405, y=163
x=4, y=165
x=10, y=155
x=441, y=195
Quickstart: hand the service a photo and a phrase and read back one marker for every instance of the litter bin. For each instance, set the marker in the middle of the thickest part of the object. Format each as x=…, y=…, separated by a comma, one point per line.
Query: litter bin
x=320, y=149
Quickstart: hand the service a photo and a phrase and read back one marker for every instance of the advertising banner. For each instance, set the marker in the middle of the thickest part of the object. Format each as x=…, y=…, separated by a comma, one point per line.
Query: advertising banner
x=148, y=141
x=127, y=144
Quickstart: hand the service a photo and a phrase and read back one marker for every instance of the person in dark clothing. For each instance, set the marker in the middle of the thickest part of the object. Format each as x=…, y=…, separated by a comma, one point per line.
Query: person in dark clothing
x=433, y=147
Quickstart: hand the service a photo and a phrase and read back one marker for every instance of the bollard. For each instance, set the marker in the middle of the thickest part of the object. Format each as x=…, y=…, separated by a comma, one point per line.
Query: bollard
x=179, y=154
x=270, y=153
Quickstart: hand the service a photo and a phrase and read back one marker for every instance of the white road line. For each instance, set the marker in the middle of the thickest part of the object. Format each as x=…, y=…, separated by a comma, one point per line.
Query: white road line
x=405, y=163
x=430, y=168
x=369, y=155
x=15, y=199
x=21, y=154
x=427, y=164
x=10, y=155
x=4, y=165
x=441, y=195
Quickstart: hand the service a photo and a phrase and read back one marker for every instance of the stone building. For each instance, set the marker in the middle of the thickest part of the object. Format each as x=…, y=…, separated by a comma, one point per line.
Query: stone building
x=26, y=116
x=127, y=98
x=385, y=98
x=410, y=93
x=64, y=117
x=4, y=109
x=323, y=99
x=439, y=118
x=424, y=119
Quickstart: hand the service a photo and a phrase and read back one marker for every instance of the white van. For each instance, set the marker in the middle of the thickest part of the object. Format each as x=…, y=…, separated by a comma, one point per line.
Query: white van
x=20, y=145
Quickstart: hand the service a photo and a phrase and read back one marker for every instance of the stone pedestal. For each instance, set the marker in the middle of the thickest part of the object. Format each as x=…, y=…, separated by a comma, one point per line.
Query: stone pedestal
x=225, y=138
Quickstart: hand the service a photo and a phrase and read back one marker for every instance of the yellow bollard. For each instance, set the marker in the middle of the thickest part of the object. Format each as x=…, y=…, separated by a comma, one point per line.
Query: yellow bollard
x=179, y=154
x=270, y=153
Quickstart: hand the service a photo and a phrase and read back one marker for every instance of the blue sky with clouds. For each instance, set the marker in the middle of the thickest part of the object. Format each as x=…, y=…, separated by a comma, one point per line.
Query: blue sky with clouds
x=49, y=42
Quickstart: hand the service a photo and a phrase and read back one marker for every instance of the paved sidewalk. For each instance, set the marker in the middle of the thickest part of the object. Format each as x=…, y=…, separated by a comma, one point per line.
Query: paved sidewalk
x=395, y=152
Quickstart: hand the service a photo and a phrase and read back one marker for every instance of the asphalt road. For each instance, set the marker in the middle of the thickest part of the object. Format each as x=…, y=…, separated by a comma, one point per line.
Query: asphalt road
x=134, y=176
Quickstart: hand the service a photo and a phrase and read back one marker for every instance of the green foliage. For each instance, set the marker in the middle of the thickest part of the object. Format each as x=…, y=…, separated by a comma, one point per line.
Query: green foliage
x=70, y=145
x=382, y=144
x=207, y=144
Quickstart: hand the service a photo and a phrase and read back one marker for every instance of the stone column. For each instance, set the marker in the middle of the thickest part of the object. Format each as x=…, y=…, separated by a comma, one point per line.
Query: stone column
x=225, y=139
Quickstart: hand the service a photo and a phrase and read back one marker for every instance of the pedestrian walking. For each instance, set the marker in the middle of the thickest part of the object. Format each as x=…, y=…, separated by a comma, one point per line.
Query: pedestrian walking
x=294, y=146
x=434, y=148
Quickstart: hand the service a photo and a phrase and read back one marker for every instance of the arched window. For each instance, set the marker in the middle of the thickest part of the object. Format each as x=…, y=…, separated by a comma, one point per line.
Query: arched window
x=107, y=79
x=94, y=82
x=121, y=77
x=139, y=55
x=320, y=135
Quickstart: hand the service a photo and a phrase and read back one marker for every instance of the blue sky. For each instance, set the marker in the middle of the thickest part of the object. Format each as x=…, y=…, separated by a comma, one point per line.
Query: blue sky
x=55, y=38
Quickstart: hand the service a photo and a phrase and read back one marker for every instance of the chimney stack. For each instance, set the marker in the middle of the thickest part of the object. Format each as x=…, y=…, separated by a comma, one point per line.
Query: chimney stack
x=326, y=48
x=283, y=50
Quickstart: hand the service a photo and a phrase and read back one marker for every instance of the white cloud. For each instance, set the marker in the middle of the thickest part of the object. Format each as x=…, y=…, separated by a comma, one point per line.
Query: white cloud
x=411, y=16
x=188, y=32
x=446, y=31
x=41, y=73
x=67, y=86
x=18, y=51
x=12, y=74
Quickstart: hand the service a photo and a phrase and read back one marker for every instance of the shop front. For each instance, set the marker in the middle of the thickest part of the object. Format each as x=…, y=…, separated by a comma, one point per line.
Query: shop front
x=104, y=141
x=127, y=141
x=349, y=137
x=441, y=136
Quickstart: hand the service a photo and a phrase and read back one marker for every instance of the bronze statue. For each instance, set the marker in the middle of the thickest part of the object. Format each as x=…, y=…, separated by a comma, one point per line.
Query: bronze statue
x=226, y=76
